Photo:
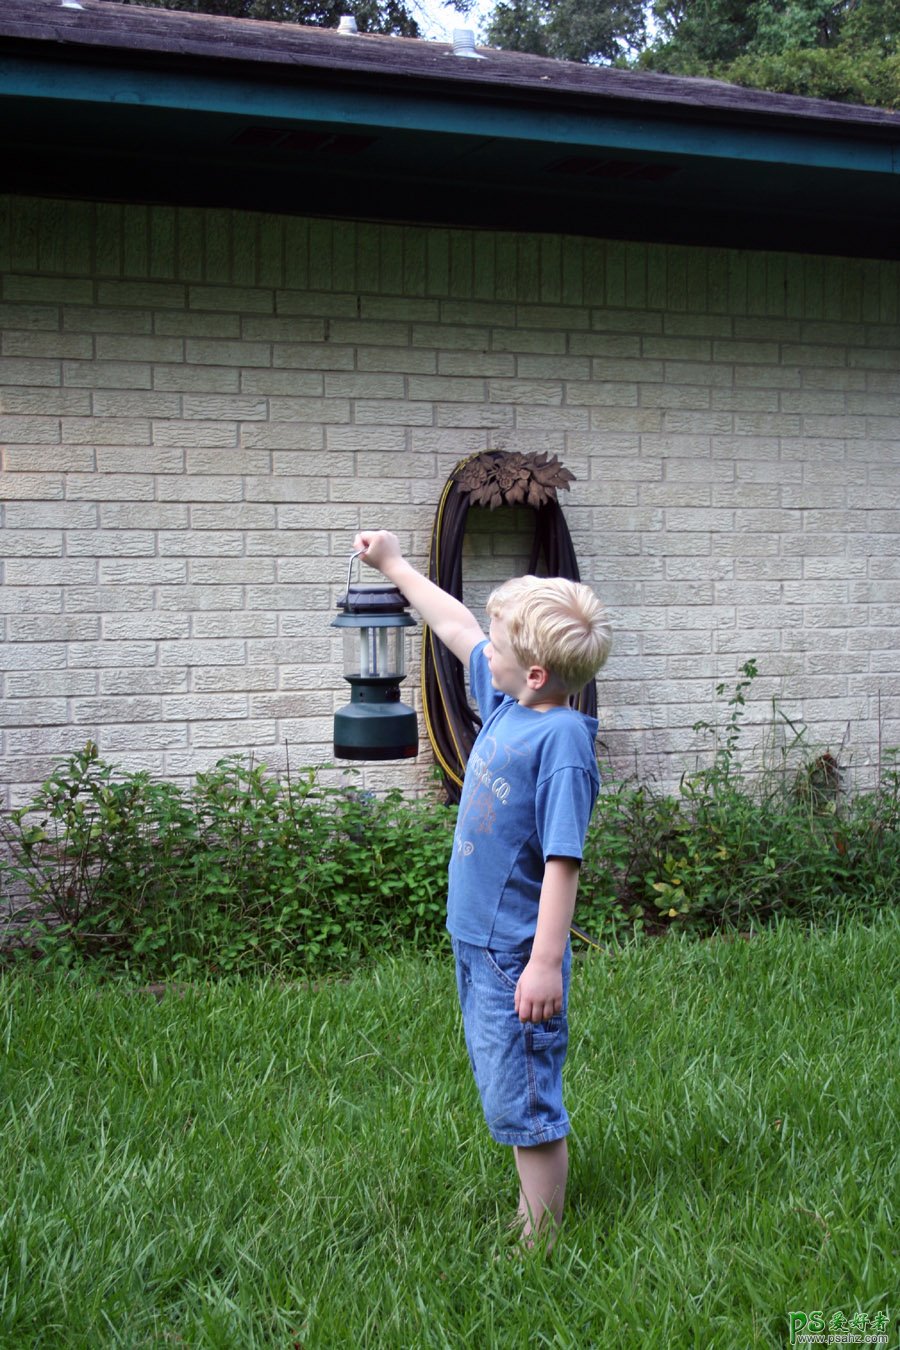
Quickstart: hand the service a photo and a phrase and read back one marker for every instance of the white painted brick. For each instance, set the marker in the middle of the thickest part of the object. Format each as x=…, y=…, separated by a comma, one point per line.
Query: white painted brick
x=296, y=597
x=200, y=488
x=110, y=543
x=32, y=742
x=244, y=735
x=387, y=307
x=682, y=543
x=33, y=317
x=200, y=652
x=109, y=487
x=117, y=655
x=44, y=344
x=201, y=463
x=105, y=430
x=207, y=571
x=513, y=340
x=107, y=374
x=32, y=712
x=142, y=294
x=52, y=628
x=145, y=680
x=208, y=379
x=360, y=385
x=56, y=571
x=213, y=352
x=54, y=290
x=126, y=347
x=204, y=707
x=49, y=516
x=175, y=323
x=102, y=711
x=136, y=403
x=198, y=543
x=307, y=731
x=33, y=430
x=282, y=489
x=486, y=313
x=246, y=299
x=118, y=738
x=225, y=679
x=282, y=436
x=189, y=598
x=289, y=359
x=284, y=329
x=282, y=651
x=102, y=599
x=48, y=401
x=745, y=400
x=318, y=410
x=221, y=407
x=37, y=684
x=435, y=336
x=87, y=319
x=31, y=487
x=289, y=301
x=288, y=382
x=193, y=434
x=122, y=628
x=375, y=491
x=246, y=624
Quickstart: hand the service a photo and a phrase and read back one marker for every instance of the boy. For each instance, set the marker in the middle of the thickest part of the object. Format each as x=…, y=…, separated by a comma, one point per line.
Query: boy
x=530, y=786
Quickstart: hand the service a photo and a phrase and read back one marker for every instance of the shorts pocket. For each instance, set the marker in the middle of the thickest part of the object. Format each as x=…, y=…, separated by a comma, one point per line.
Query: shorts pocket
x=543, y=1034
x=506, y=967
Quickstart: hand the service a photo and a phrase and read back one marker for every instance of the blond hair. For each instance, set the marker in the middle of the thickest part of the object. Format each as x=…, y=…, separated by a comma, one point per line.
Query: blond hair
x=554, y=623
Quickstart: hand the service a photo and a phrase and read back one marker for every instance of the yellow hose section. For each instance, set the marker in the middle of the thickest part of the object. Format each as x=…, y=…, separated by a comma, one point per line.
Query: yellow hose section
x=426, y=712
x=428, y=637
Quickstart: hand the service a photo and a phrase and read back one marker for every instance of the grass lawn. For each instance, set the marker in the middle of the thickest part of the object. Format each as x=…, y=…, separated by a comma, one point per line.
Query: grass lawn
x=261, y=1164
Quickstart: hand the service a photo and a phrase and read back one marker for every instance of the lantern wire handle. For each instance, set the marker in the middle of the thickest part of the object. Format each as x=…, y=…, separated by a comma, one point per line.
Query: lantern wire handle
x=359, y=552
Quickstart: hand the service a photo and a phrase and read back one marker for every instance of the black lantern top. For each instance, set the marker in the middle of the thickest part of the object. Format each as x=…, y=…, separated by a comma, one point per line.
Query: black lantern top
x=373, y=597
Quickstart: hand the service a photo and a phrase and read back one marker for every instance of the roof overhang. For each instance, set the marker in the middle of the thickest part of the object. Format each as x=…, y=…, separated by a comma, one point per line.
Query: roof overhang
x=120, y=103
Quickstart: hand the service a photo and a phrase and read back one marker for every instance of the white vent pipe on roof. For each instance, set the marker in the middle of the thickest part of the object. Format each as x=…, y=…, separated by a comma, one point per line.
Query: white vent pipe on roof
x=464, y=44
x=347, y=24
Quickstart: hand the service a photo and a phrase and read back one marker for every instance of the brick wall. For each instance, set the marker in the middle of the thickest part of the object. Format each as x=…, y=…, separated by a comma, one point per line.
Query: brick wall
x=199, y=408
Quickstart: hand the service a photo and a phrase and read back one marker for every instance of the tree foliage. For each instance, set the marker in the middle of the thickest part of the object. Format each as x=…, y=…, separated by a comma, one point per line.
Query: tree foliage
x=569, y=30
x=372, y=16
x=847, y=50
x=837, y=49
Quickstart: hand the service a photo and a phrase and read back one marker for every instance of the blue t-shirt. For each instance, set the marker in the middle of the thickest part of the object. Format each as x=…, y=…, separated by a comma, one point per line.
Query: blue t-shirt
x=529, y=789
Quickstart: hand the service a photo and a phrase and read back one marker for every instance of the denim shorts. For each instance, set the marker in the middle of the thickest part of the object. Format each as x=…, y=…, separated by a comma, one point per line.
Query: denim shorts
x=517, y=1065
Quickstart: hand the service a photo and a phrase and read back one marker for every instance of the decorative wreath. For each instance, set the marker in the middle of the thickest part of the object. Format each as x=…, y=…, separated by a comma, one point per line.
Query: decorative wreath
x=504, y=478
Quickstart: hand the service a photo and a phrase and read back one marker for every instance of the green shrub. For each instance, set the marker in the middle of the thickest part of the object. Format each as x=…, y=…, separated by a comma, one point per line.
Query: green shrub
x=735, y=849
x=242, y=872
x=246, y=872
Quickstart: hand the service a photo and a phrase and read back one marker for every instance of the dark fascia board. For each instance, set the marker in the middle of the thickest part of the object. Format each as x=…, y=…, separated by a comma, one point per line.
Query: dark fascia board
x=429, y=111
x=270, y=51
x=108, y=53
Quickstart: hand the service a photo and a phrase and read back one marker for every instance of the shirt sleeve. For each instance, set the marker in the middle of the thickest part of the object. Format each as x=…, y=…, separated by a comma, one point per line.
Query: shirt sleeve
x=563, y=807
x=485, y=695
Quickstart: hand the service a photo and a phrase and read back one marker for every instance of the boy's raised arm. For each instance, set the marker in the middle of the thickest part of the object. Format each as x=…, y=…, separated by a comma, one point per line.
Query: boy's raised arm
x=449, y=619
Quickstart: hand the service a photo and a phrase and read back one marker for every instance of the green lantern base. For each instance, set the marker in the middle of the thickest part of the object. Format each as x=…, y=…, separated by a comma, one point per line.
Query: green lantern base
x=376, y=731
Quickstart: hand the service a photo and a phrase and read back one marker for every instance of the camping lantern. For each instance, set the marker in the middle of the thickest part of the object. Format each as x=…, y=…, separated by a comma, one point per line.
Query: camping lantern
x=374, y=724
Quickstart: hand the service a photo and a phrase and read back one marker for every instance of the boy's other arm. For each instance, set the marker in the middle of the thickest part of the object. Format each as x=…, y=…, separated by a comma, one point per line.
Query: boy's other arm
x=449, y=619
x=539, y=990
